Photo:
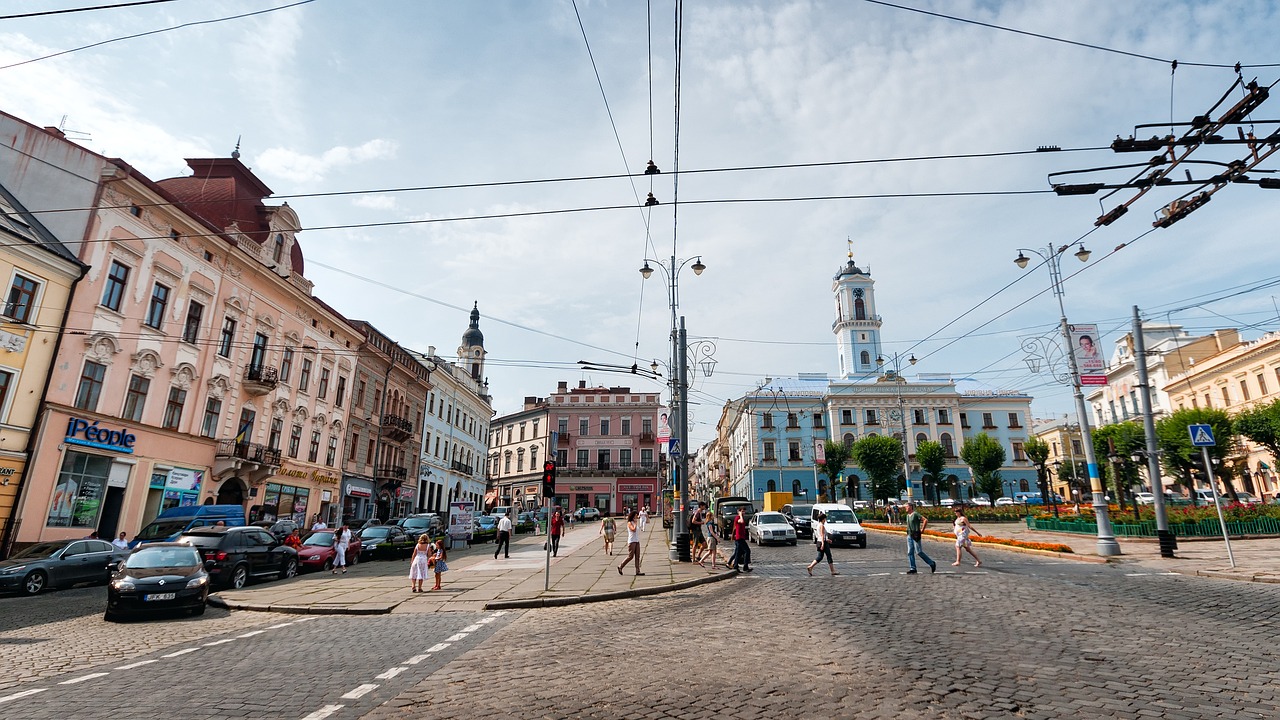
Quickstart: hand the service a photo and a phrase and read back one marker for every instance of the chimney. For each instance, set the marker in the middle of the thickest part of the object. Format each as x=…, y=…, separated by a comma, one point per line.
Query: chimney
x=431, y=351
x=562, y=387
x=582, y=384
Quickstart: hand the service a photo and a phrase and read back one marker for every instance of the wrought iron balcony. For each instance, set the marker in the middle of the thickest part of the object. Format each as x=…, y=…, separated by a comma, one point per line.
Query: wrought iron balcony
x=396, y=428
x=563, y=440
x=391, y=472
x=252, y=452
x=260, y=379
x=463, y=468
x=646, y=437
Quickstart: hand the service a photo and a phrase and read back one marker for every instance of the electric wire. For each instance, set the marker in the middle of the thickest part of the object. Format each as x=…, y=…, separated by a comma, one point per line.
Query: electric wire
x=83, y=9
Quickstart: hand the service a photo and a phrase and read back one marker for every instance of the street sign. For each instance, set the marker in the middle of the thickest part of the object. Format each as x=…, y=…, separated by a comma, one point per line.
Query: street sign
x=1201, y=435
x=674, y=450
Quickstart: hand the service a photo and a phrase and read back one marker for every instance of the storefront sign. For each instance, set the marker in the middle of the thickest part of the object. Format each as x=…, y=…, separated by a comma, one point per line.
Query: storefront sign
x=406, y=493
x=7, y=472
x=313, y=475
x=530, y=489
x=635, y=487
x=183, y=479
x=325, y=495
x=586, y=488
x=604, y=442
x=83, y=432
x=359, y=492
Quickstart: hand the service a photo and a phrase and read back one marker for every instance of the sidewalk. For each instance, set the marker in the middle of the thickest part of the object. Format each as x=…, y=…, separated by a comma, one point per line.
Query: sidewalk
x=1257, y=560
x=475, y=581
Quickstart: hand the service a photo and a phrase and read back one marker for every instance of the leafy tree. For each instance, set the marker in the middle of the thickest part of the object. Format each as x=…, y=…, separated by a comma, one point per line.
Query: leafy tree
x=1075, y=475
x=1124, y=438
x=880, y=456
x=1261, y=424
x=985, y=456
x=837, y=454
x=1038, y=452
x=1180, y=458
x=933, y=460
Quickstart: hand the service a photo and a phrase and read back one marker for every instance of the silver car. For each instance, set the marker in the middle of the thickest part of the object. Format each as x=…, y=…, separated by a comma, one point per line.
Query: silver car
x=770, y=527
x=59, y=563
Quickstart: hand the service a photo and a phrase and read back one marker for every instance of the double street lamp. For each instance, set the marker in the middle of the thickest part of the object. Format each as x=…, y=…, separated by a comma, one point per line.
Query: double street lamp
x=1052, y=256
x=900, y=413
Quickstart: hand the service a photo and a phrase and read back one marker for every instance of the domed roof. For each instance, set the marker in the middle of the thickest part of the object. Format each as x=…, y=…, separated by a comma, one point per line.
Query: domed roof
x=473, y=337
x=850, y=268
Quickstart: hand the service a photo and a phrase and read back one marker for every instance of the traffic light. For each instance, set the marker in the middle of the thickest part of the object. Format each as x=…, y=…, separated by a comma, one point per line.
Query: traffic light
x=549, y=478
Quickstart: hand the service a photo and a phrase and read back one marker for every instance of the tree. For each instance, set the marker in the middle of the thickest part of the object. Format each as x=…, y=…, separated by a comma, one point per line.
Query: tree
x=1180, y=458
x=985, y=456
x=933, y=460
x=1038, y=452
x=1075, y=475
x=1122, y=439
x=837, y=454
x=880, y=457
x=1261, y=424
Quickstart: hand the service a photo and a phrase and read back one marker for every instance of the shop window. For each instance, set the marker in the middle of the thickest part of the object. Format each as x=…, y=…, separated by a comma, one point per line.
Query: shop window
x=78, y=495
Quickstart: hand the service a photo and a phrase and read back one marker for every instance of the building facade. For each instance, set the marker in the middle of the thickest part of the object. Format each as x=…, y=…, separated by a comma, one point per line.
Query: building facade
x=519, y=443
x=1066, y=446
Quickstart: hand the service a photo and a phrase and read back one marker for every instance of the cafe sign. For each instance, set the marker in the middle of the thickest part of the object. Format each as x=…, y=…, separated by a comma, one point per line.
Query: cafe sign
x=90, y=434
x=303, y=474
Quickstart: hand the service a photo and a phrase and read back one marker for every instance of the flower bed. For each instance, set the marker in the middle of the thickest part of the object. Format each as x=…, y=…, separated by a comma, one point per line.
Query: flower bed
x=991, y=540
x=975, y=513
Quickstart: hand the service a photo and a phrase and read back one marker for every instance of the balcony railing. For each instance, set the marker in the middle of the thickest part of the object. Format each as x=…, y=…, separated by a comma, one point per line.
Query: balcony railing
x=563, y=440
x=252, y=452
x=396, y=428
x=260, y=380
x=599, y=468
x=646, y=437
x=391, y=472
x=462, y=468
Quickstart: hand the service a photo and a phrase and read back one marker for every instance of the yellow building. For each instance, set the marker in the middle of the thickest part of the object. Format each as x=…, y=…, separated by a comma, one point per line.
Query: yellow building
x=1065, y=448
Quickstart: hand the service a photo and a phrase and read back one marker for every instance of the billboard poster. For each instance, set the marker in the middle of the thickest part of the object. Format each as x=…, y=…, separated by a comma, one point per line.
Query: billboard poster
x=819, y=452
x=460, y=521
x=664, y=427
x=1089, y=360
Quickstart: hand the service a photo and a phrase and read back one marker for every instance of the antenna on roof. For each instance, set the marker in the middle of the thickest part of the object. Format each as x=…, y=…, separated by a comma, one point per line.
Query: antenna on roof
x=81, y=135
x=235, y=154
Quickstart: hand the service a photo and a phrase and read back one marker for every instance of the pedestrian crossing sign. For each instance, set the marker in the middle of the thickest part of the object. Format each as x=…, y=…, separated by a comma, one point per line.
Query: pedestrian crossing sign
x=1201, y=435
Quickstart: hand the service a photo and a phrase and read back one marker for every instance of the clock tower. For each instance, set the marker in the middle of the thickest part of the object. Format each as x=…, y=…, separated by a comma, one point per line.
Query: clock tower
x=856, y=326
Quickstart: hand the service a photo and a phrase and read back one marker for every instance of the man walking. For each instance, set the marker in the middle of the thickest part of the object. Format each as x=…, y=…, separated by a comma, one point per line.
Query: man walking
x=555, y=531
x=504, y=536
x=644, y=517
x=916, y=524
x=741, y=550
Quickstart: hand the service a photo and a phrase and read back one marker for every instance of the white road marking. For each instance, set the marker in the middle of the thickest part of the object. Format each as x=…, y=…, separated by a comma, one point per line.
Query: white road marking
x=180, y=652
x=472, y=628
x=437, y=647
x=360, y=692
x=456, y=637
x=500, y=613
x=24, y=693
x=878, y=574
x=140, y=663
x=251, y=633
x=417, y=659
x=302, y=620
x=1136, y=574
x=223, y=641
x=485, y=621
x=390, y=673
x=323, y=712
x=277, y=626
x=82, y=678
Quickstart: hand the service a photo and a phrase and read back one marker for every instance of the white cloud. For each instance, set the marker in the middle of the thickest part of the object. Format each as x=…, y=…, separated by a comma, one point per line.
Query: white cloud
x=299, y=167
x=375, y=202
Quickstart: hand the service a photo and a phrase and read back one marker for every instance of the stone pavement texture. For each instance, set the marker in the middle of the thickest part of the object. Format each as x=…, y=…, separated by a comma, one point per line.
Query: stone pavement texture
x=581, y=571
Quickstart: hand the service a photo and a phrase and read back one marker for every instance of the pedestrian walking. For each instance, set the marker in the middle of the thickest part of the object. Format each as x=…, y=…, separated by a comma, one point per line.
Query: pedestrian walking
x=341, y=541
x=420, y=563
x=556, y=530
x=741, y=550
x=962, y=529
x=608, y=529
x=698, y=540
x=712, y=529
x=644, y=517
x=633, y=542
x=120, y=542
x=916, y=524
x=438, y=561
x=504, y=536
x=824, y=546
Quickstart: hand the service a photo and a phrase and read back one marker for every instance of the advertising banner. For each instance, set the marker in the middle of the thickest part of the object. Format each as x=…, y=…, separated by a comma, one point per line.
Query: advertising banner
x=664, y=427
x=460, y=521
x=1089, y=360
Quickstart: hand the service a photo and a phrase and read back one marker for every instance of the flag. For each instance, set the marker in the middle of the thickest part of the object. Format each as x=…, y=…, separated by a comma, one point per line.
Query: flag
x=244, y=432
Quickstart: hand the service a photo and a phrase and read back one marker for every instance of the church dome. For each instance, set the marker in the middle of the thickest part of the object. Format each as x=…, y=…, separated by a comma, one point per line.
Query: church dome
x=473, y=337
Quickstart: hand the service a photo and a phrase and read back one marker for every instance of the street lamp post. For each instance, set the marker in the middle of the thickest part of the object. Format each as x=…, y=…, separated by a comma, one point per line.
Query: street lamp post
x=1052, y=257
x=679, y=399
x=901, y=412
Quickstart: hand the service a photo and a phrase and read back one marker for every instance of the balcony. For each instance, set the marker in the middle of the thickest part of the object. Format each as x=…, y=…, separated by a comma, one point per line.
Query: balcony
x=250, y=452
x=390, y=473
x=646, y=437
x=563, y=440
x=610, y=469
x=462, y=468
x=260, y=380
x=253, y=462
x=396, y=428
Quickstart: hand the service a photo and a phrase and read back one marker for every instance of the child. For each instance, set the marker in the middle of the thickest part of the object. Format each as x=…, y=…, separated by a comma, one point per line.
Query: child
x=440, y=566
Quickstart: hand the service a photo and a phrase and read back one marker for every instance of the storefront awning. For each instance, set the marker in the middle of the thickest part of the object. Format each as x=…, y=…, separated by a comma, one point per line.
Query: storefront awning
x=491, y=496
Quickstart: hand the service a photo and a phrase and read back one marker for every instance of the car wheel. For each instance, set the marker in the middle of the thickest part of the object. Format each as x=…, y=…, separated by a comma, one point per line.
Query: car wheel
x=354, y=560
x=197, y=611
x=862, y=543
x=290, y=568
x=793, y=543
x=34, y=582
x=110, y=616
x=328, y=564
x=239, y=577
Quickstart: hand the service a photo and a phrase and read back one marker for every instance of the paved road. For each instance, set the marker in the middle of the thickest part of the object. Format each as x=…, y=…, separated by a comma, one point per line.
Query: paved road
x=1022, y=636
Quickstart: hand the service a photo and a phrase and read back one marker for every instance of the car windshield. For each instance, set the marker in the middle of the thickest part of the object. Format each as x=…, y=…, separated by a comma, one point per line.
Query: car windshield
x=319, y=539
x=162, y=530
x=375, y=532
x=772, y=519
x=801, y=510
x=841, y=516
x=486, y=520
x=38, y=551
x=415, y=523
x=147, y=558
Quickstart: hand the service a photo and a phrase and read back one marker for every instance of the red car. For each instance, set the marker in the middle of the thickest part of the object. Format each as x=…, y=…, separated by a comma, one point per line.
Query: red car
x=317, y=551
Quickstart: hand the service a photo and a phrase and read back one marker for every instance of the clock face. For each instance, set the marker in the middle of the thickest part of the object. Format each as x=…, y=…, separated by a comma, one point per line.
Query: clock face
x=895, y=414
x=857, y=292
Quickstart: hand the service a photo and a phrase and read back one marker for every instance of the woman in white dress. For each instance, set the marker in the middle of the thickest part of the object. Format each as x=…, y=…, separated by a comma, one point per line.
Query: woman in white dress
x=962, y=529
x=420, y=564
x=341, y=541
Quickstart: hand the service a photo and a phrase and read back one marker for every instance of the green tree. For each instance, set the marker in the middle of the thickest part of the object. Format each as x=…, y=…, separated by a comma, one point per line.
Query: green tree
x=837, y=454
x=1038, y=452
x=1261, y=424
x=1181, y=459
x=933, y=460
x=985, y=456
x=1075, y=475
x=880, y=457
x=1122, y=439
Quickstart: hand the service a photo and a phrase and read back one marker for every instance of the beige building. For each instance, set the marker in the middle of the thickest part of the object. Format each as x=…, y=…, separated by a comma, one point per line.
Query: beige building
x=1065, y=447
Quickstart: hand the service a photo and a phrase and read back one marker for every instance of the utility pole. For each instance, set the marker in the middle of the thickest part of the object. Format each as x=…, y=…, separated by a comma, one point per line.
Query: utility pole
x=1167, y=541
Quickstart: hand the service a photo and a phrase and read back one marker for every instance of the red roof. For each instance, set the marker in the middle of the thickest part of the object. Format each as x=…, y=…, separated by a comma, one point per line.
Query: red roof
x=223, y=191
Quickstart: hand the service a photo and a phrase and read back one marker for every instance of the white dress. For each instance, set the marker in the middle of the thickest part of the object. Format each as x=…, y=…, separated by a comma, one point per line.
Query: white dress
x=340, y=551
x=418, y=569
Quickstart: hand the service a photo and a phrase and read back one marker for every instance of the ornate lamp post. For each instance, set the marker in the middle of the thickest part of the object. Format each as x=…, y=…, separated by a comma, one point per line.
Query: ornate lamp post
x=900, y=413
x=1052, y=257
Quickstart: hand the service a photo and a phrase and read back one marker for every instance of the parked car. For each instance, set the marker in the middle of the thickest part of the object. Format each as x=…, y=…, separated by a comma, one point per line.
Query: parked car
x=156, y=577
x=169, y=524
x=317, y=551
x=415, y=525
x=524, y=523
x=234, y=555
x=583, y=514
x=861, y=504
x=770, y=527
x=59, y=563
x=798, y=516
x=279, y=528
x=384, y=541
x=843, y=527
x=484, y=528
x=979, y=500
x=1144, y=498
x=1005, y=502
x=945, y=502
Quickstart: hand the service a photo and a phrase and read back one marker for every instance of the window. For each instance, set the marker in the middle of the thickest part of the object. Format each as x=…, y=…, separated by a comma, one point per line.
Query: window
x=1226, y=397
x=228, y=337
x=117, y=278
x=332, y=452
x=866, y=358
x=793, y=451
x=846, y=417
x=944, y=418
x=584, y=458
x=624, y=457
x=314, y=452
x=848, y=440
x=259, y=356
x=369, y=447
x=987, y=422
x=1207, y=402
x=212, y=409
x=766, y=420
x=626, y=425
x=1244, y=390
x=921, y=437
x=535, y=428
x=277, y=255
x=583, y=427
x=1076, y=447
x=918, y=417
x=771, y=486
x=646, y=457
x=817, y=420
x=872, y=418
x=286, y=364
x=6, y=381
x=769, y=453
x=533, y=457
x=358, y=399
x=78, y=496
x=22, y=298
x=510, y=429
x=244, y=431
x=646, y=425
x=964, y=420
x=324, y=383
x=506, y=465
x=796, y=489
x=90, y=385
x=1262, y=384
x=793, y=421
x=342, y=390
x=159, y=303
x=304, y=380
x=277, y=431
x=173, y=408
x=1013, y=420
x=859, y=309
x=522, y=429
x=948, y=448
x=562, y=426
x=191, y=328
x=295, y=440
x=604, y=426
x=1018, y=452
x=602, y=459
x=135, y=398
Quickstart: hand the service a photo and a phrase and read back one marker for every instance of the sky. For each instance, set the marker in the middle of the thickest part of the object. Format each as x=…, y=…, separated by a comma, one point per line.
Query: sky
x=384, y=101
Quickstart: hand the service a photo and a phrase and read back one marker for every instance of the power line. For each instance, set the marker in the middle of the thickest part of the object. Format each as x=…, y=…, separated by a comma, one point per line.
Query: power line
x=83, y=9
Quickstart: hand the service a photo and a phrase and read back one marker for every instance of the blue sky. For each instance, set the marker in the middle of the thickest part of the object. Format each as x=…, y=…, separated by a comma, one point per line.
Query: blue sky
x=337, y=95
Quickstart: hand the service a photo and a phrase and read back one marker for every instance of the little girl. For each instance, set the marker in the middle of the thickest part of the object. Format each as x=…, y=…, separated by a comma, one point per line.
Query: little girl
x=439, y=558
x=420, y=565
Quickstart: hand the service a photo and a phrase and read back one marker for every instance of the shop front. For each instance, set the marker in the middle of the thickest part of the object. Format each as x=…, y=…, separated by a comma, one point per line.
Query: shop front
x=295, y=492
x=634, y=494
x=357, y=500
x=598, y=495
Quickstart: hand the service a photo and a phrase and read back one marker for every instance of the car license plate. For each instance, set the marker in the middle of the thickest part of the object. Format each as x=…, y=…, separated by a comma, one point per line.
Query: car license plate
x=160, y=596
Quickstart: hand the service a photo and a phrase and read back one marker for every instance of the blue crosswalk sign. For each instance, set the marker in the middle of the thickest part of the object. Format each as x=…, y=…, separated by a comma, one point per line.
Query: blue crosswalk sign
x=674, y=448
x=1201, y=435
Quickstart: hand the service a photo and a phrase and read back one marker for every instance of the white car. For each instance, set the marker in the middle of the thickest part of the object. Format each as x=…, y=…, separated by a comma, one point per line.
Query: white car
x=1005, y=501
x=1143, y=498
x=861, y=504
x=770, y=527
x=948, y=502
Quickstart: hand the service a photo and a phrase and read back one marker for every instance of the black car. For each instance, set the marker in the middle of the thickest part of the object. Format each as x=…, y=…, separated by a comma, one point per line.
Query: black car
x=799, y=517
x=158, y=576
x=524, y=523
x=233, y=555
x=59, y=563
x=415, y=525
x=280, y=528
x=384, y=541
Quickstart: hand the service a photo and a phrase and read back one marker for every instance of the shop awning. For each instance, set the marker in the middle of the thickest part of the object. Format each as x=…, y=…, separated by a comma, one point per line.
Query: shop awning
x=491, y=496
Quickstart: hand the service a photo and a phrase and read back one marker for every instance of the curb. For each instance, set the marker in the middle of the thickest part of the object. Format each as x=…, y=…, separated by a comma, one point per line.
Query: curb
x=215, y=601
x=526, y=603
x=1000, y=546
x=1238, y=577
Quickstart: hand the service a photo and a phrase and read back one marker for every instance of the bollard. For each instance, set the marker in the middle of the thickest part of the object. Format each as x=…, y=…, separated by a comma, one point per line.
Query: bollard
x=682, y=547
x=1168, y=543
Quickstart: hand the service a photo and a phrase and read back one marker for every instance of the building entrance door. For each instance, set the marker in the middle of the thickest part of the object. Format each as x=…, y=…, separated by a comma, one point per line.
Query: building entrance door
x=111, y=505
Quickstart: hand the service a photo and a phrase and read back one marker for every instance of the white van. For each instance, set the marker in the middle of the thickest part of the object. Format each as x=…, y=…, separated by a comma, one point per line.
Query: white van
x=842, y=524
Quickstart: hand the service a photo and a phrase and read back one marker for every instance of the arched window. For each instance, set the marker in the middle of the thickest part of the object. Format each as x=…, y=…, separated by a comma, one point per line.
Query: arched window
x=795, y=488
x=859, y=309
x=865, y=357
x=1023, y=485
x=947, y=447
x=848, y=440
x=772, y=486
x=278, y=255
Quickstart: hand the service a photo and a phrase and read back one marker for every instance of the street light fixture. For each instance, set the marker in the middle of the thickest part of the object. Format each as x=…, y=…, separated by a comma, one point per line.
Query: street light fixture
x=1052, y=257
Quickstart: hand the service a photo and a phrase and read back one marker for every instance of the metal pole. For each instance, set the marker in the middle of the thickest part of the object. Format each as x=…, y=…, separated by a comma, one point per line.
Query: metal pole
x=682, y=480
x=546, y=580
x=1167, y=542
x=1213, y=487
